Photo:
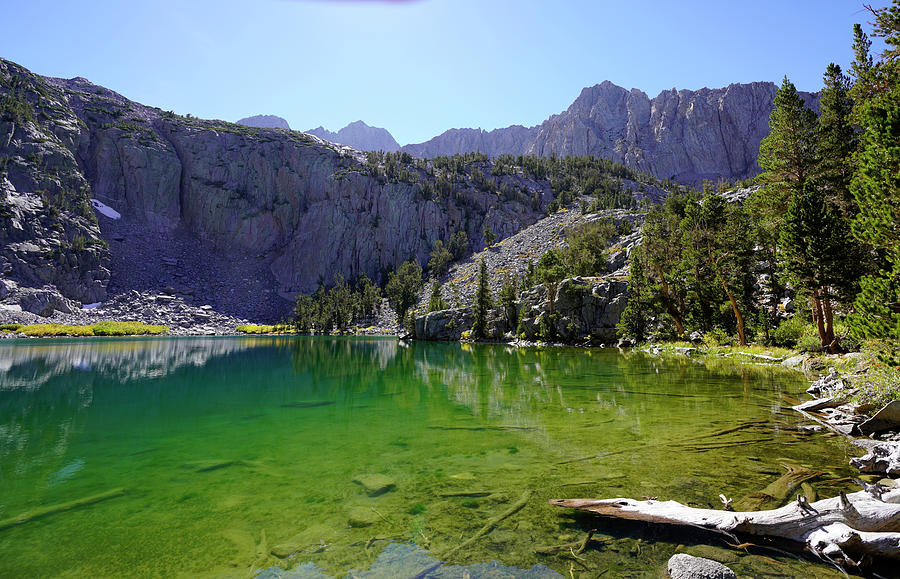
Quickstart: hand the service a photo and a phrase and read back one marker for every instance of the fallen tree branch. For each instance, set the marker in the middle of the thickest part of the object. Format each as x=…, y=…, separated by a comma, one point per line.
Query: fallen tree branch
x=858, y=523
x=489, y=526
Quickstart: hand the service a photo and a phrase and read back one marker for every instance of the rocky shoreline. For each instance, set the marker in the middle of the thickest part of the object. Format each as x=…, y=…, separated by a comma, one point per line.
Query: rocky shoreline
x=181, y=318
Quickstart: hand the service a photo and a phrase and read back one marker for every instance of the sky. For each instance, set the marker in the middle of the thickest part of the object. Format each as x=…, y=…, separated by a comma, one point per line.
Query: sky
x=420, y=67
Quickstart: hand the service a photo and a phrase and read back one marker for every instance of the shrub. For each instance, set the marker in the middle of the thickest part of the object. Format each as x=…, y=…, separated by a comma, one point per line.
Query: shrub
x=255, y=329
x=110, y=328
x=788, y=332
x=10, y=327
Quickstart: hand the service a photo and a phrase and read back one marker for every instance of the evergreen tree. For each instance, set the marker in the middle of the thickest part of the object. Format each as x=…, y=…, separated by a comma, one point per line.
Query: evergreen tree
x=489, y=236
x=439, y=260
x=815, y=241
x=635, y=320
x=402, y=288
x=836, y=140
x=507, y=297
x=861, y=67
x=483, y=303
x=876, y=185
x=787, y=156
x=436, y=302
x=458, y=244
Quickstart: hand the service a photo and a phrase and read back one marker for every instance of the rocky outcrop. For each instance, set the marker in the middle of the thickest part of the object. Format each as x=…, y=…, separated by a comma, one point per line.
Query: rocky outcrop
x=360, y=136
x=237, y=217
x=685, y=135
x=582, y=309
x=265, y=122
x=514, y=140
x=444, y=325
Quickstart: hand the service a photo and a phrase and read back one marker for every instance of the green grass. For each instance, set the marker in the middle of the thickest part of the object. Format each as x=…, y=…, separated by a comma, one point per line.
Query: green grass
x=10, y=327
x=263, y=329
x=106, y=328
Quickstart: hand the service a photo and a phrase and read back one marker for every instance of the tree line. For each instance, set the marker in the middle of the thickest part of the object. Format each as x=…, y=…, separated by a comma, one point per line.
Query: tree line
x=824, y=219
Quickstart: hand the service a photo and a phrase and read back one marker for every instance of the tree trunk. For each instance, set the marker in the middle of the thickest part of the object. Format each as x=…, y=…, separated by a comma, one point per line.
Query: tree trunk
x=858, y=524
x=829, y=322
x=670, y=307
x=819, y=316
x=742, y=337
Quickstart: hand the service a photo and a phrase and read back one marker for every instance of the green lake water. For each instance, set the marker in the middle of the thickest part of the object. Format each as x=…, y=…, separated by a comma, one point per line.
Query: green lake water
x=208, y=454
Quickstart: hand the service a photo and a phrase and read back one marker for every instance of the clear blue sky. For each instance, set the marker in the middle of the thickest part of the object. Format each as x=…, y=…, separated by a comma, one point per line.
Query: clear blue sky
x=419, y=67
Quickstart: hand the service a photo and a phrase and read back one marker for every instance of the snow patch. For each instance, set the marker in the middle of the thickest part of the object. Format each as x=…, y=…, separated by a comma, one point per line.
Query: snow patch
x=105, y=209
x=90, y=306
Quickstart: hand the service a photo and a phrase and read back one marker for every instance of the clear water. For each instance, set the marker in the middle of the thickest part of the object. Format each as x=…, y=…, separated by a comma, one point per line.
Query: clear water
x=229, y=449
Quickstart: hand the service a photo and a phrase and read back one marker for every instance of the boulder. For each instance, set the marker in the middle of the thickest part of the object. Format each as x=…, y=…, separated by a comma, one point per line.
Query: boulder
x=45, y=301
x=684, y=566
x=888, y=418
x=444, y=325
x=375, y=484
x=584, y=308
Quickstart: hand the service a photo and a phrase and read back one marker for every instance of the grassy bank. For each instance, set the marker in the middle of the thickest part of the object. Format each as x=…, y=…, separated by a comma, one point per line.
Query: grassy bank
x=105, y=328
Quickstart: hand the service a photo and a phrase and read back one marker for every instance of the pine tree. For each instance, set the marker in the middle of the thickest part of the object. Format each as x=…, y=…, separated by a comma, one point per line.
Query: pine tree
x=483, y=303
x=876, y=185
x=439, y=259
x=507, y=297
x=815, y=241
x=436, y=302
x=836, y=140
x=402, y=288
x=787, y=156
x=635, y=320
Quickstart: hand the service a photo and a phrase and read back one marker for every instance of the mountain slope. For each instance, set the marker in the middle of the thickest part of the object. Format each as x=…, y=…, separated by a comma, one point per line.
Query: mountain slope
x=238, y=217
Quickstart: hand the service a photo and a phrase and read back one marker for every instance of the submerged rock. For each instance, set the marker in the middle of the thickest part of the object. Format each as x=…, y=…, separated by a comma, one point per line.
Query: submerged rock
x=375, y=484
x=684, y=566
x=361, y=517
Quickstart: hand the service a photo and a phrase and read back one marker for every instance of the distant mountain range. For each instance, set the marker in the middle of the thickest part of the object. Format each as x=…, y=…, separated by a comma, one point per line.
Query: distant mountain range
x=685, y=135
x=360, y=136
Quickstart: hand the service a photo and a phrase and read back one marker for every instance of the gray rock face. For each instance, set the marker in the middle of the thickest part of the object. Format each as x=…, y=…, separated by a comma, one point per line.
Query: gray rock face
x=242, y=218
x=684, y=135
x=45, y=301
x=584, y=309
x=445, y=325
x=265, y=122
x=360, y=136
x=514, y=140
x=684, y=566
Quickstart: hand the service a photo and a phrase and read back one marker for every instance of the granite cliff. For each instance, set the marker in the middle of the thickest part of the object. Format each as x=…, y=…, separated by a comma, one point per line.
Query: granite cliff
x=360, y=136
x=683, y=135
x=237, y=217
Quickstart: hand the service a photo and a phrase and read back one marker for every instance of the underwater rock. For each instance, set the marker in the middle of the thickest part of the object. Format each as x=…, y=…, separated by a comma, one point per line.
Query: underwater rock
x=361, y=517
x=375, y=484
x=684, y=566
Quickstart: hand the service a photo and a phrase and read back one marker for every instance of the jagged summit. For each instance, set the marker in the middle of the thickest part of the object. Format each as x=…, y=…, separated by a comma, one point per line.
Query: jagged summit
x=360, y=136
x=685, y=135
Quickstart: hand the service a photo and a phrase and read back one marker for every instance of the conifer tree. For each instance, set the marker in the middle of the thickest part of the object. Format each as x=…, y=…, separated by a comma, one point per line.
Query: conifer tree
x=787, y=156
x=483, y=303
x=815, y=242
x=836, y=140
x=507, y=297
x=436, y=302
x=876, y=185
x=635, y=320
x=402, y=288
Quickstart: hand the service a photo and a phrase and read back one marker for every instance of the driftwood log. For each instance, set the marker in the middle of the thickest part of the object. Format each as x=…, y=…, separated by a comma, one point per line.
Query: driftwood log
x=861, y=523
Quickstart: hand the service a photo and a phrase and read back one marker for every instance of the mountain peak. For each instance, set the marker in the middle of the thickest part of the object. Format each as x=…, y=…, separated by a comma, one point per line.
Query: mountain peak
x=360, y=136
x=265, y=122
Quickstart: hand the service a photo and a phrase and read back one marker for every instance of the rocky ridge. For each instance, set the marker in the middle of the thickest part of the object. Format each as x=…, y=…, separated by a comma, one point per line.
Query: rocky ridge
x=685, y=135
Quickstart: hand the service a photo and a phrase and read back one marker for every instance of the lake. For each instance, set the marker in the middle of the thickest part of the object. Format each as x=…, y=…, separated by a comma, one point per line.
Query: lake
x=234, y=456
